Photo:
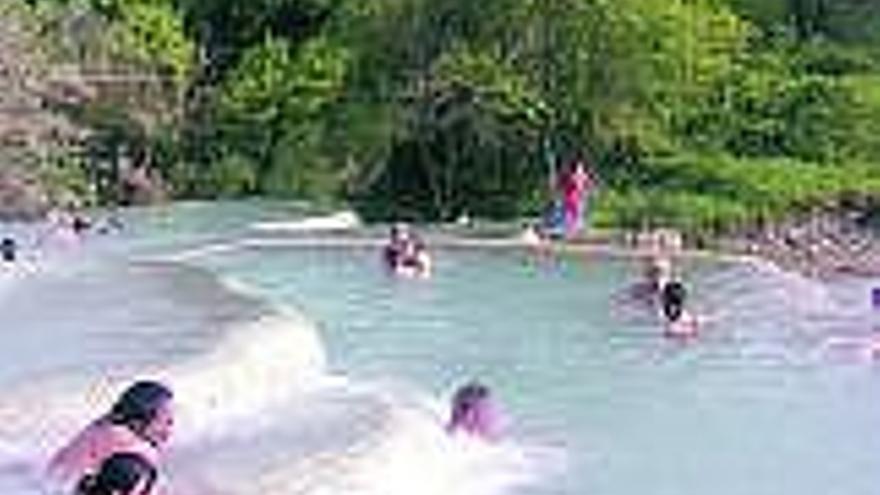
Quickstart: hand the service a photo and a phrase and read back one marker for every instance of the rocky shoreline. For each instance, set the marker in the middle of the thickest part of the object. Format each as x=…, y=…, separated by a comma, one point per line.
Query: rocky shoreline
x=22, y=197
x=824, y=244
x=27, y=195
x=838, y=241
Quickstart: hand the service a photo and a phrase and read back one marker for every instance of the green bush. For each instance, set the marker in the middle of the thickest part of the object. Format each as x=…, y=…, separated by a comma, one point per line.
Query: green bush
x=66, y=180
x=231, y=176
x=716, y=193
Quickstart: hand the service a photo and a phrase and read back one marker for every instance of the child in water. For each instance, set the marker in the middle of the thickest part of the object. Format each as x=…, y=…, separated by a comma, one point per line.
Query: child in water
x=121, y=474
x=679, y=322
x=405, y=254
x=474, y=413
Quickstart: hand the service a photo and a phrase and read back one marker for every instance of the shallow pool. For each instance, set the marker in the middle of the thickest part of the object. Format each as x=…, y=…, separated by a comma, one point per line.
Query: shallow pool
x=774, y=398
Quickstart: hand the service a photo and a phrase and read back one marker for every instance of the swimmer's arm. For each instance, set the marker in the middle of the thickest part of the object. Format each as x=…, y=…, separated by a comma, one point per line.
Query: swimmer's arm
x=425, y=261
x=71, y=459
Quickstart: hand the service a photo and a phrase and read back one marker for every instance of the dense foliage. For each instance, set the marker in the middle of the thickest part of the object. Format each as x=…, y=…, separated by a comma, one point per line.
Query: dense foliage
x=705, y=114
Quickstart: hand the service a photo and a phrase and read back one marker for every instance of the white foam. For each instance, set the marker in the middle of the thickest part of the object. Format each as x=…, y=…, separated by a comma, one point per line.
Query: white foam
x=261, y=365
x=260, y=414
x=760, y=290
x=343, y=220
x=443, y=464
x=361, y=441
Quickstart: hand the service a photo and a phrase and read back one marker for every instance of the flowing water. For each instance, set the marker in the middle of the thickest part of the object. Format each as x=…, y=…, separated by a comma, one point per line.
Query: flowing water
x=308, y=370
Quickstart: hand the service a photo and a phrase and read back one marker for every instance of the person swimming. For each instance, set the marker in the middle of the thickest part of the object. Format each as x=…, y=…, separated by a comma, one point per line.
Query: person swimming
x=398, y=237
x=474, y=413
x=875, y=298
x=123, y=473
x=8, y=250
x=140, y=422
x=80, y=224
x=679, y=322
x=405, y=254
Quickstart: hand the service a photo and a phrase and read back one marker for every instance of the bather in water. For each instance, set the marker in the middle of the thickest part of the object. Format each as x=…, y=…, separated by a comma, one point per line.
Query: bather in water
x=474, y=413
x=139, y=422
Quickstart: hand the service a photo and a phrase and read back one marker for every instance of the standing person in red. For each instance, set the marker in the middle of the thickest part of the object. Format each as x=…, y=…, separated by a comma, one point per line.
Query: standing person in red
x=575, y=185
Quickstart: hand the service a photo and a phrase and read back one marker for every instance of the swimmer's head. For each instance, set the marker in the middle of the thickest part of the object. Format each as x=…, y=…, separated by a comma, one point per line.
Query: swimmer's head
x=399, y=231
x=473, y=411
x=145, y=408
x=672, y=299
x=120, y=474
x=7, y=249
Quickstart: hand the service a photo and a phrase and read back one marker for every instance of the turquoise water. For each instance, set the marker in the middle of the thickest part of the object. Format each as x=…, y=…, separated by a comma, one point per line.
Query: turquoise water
x=761, y=410
x=775, y=397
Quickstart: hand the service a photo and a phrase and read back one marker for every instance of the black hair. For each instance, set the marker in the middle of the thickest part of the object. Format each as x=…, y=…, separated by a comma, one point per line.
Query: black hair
x=119, y=474
x=138, y=405
x=8, y=249
x=466, y=397
x=80, y=224
x=672, y=299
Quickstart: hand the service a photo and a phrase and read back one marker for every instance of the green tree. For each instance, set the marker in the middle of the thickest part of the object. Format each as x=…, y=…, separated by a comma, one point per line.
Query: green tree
x=271, y=102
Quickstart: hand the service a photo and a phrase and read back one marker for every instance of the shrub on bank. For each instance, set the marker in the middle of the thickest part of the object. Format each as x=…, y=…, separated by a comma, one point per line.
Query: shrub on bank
x=709, y=195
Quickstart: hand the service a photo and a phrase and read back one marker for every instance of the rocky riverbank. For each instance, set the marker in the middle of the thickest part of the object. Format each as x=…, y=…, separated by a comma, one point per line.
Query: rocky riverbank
x=23, y=197
x=840, y=241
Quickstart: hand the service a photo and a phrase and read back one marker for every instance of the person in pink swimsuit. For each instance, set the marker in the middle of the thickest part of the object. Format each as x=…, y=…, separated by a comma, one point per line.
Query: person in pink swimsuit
x=575, y=185
x=140, y=422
